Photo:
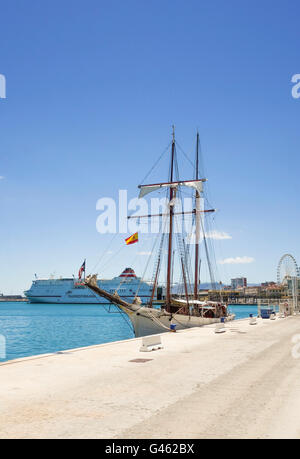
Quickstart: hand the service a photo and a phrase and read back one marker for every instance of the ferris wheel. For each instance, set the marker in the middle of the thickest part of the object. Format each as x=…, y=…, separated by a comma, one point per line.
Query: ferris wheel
x=287, y=268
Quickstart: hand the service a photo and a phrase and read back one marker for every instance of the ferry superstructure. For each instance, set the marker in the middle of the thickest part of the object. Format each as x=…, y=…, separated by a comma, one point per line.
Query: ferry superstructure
x=72, y=291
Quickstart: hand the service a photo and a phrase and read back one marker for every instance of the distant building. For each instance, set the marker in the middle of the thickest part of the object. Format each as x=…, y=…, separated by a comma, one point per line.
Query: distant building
x=226, y=288
x=268, y=284
x=254, y=290
x=293, y=285
x=238, y=282
x=11, y=298
x=275, y=290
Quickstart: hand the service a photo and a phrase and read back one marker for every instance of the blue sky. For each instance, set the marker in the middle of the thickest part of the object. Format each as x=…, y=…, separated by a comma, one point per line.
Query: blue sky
x=93, y=88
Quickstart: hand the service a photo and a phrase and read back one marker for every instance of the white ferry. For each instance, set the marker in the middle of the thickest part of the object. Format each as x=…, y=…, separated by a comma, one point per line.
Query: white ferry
x=70, y=290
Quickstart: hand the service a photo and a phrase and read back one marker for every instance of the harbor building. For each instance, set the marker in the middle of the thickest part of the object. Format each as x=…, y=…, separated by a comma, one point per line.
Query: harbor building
x=238, y=282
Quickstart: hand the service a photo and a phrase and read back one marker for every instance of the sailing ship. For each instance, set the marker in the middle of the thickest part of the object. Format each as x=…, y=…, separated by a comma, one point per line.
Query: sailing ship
x=176, y=312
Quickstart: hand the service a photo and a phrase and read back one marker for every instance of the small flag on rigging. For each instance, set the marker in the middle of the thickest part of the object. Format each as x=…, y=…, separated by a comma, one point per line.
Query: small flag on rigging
x=132, y=239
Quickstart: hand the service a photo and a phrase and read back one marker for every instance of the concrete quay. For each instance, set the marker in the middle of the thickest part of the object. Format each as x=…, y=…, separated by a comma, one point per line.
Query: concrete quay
x=244, y=383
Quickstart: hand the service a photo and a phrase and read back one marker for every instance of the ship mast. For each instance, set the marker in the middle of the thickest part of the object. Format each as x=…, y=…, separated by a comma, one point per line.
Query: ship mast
x=171, y=215
x=173, y=186
x=197, y=213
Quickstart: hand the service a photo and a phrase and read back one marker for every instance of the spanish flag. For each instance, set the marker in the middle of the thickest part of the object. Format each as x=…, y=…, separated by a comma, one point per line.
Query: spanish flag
x=132, y=239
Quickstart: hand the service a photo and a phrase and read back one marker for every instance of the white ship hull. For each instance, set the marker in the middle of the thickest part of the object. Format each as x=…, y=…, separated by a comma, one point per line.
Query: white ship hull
x=148, y=321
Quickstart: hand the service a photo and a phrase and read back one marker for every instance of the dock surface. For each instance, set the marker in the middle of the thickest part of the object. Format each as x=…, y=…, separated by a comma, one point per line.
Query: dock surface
x=244, y=383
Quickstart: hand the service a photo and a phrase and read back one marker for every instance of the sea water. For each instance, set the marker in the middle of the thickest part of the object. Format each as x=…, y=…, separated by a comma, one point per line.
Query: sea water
x=33, y=329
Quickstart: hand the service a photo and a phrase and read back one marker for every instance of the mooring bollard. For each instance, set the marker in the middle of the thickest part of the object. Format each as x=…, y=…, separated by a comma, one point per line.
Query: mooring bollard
x=252, y=320
x=151, y=343
x=220, y=327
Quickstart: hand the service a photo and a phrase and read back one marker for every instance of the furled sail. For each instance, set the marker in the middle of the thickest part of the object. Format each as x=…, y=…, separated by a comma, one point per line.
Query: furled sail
x=146, y=189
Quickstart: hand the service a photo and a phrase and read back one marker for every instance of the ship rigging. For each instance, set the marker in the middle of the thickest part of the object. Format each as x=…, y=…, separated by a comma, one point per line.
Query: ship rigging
x=176, y=311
